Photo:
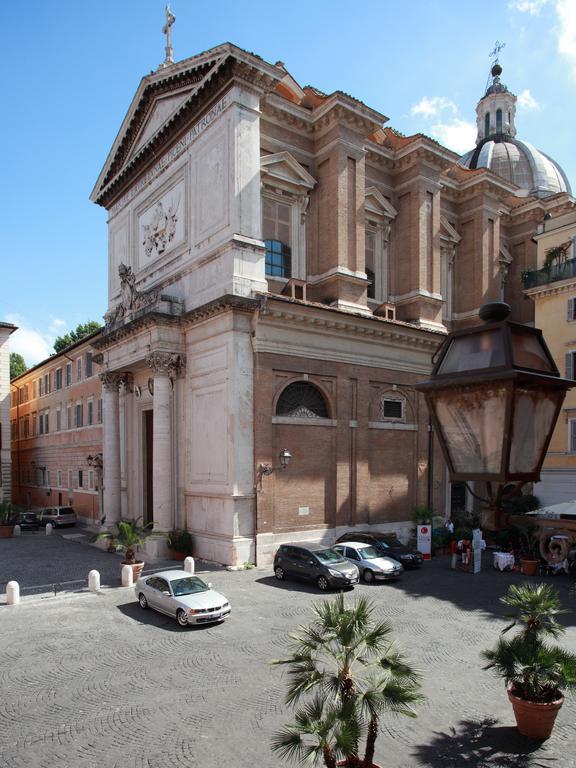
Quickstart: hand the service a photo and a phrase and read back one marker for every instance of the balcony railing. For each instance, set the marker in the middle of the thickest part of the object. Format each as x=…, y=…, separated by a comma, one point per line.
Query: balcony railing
x=560, y=271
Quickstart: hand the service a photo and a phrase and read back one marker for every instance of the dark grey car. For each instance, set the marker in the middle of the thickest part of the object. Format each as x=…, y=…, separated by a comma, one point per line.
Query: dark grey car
x=316, y=563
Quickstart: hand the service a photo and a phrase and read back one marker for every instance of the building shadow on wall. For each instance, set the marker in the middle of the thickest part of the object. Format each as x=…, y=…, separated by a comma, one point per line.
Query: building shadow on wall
x=483, y=744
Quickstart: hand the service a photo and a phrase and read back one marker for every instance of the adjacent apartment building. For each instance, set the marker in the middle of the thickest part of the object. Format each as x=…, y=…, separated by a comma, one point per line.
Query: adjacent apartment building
x=56, y=433
x=552, y=288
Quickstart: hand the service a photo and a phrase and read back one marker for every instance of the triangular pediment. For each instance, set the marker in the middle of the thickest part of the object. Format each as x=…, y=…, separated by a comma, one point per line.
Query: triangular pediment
x=376, y=204
x=283, y=169
x=161, y=111
x=447, y=231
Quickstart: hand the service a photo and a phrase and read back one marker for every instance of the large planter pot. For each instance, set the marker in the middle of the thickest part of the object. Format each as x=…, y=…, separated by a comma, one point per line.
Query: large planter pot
x=137, y=568
x=6, y=531
x=175, y=555
x=529, y=567
x=344, y=763
x=533, y=719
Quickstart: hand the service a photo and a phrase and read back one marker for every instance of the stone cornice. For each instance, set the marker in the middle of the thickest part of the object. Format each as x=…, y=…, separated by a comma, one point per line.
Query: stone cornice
x=137, y=323
x=218, y=306
x=552, y=289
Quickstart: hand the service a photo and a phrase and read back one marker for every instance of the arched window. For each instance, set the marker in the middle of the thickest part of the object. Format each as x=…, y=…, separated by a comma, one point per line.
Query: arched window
x=498, y=121
x=302, y=400
x=487, y=124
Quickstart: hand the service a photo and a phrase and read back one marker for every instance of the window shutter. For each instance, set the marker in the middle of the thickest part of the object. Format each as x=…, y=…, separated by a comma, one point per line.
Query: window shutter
x=572, y=446
x=571, y=305
x=569, y=365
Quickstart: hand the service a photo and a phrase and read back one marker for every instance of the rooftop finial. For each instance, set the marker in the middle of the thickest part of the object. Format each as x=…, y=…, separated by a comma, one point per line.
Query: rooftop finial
x=496, y=69
x=170, y=19
x=496, y=50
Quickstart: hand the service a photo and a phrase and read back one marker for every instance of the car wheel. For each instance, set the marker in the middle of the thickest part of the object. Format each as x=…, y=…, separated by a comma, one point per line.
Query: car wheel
x=279, y=573
x=181, y=618
x=142, y=600
x=322, y=582
x=368, y=576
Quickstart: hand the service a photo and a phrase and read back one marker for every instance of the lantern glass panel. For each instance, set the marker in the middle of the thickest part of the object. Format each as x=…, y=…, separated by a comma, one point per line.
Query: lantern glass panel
x=534, y=418
x=472, y=420
x=528, y=352
x=483, y=349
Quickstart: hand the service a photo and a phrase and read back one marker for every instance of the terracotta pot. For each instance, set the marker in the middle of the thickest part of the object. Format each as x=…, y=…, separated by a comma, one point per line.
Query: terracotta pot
x=6, y=531
x=343, y=763
x=137, y=568
x=529, y=567
x=175, y=555
x=533, y=719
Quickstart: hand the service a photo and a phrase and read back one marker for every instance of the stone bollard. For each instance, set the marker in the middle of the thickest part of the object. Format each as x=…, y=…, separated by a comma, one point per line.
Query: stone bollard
x=12, y=593
x=17, y=530
x=127, y=576
x=189, y=564
x=49, y=529
x=94, y=581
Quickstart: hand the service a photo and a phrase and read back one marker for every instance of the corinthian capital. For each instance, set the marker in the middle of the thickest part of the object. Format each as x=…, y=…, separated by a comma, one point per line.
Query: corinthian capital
x=167, y=363
x=111, y=381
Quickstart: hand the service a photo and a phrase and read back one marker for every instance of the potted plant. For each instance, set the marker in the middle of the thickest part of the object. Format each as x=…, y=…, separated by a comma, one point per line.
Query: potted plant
x=180, y=544
x=344, y=673
x=9, y=516
x=529, y=548
x=130, y=536
x=535, y=671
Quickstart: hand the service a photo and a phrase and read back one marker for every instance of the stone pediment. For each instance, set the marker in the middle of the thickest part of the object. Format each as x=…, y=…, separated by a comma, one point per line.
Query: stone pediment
x=283, y=170
x=162, y=110
x=377, y=205
x=447, y=231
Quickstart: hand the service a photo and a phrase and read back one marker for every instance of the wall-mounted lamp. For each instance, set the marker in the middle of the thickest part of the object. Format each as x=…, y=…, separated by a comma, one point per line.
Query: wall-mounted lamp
x=48, y=491
x=95, y=461
x=267, y=469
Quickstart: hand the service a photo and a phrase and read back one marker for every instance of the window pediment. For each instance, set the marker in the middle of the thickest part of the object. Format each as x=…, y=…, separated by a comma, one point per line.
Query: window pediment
x=447, y=231
x=283, y=170
x=376, y=204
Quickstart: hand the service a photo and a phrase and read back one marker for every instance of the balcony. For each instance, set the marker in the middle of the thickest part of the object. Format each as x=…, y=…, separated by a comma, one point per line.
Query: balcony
x=560, y=271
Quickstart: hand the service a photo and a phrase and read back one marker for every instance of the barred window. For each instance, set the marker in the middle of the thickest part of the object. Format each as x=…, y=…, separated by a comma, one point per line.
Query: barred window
x=302, y=400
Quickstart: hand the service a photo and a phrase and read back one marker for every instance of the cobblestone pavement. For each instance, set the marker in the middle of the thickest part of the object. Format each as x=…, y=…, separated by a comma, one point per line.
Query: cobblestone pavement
x=92, y=681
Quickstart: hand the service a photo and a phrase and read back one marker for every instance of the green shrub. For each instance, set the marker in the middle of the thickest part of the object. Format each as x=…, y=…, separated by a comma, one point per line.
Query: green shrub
x=180, y=541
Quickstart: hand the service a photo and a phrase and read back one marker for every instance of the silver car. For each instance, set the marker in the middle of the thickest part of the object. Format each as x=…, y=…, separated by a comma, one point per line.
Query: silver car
x=371, y=563
x=185, y=597
x=58, y=516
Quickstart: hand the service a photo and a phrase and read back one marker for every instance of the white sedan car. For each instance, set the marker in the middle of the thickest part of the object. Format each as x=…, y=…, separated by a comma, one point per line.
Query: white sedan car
x=371, y=564
x=185, y=597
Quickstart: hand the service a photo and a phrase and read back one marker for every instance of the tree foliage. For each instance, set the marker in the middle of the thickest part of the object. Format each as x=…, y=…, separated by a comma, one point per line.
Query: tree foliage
x=17, y=365
x=82, y=329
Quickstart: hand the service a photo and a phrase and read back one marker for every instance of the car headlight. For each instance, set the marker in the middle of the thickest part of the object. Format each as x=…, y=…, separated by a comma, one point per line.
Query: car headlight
x=192, y=611
x=335, y=573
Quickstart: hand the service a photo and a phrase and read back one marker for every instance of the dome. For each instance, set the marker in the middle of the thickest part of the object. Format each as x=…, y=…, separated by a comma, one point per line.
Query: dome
x=520, y=163
x=498, y=149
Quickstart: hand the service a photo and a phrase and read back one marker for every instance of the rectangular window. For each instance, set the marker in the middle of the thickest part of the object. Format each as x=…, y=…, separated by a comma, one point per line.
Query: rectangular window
x=570, y=365
x=58, y=378
x=571, y=310
x=69, y=479
x=40, y=387
x=58, y=420
x=79, y=369
x=46, y=384
x=46, y=423
x=91, y=479
x=48, y=483
x=34, y=425
x=79, y=415
x=277, y=236
x=26, y=426
x=90, y=420
x=68, y=374
x=99, y=411
x=34, y=389
x=68, y=417
x=371, y=264
x=41, y=423
x=80, y=478
x=59, y=478
x=392, y=409
x=88, y=364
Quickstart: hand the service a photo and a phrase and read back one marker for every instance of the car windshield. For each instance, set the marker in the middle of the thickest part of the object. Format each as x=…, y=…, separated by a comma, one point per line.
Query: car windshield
x=369, y=553
x=328, y=556
x=188, y=586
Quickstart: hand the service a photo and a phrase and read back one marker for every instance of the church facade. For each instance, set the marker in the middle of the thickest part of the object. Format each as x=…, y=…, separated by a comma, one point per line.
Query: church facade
x=282, y=268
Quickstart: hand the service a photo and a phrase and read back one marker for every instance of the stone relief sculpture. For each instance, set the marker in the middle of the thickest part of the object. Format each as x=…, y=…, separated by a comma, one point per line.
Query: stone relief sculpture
x=162, y=228
x=131, y=299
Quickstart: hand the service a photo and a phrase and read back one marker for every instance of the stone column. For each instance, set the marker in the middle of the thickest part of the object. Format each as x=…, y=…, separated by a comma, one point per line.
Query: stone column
x=125, y=388
x=166, y=367
x=111, y=452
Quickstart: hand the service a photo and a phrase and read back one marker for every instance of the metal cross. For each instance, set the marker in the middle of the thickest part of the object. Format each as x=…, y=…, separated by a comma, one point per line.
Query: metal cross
x=170, y=19
x=497, y=48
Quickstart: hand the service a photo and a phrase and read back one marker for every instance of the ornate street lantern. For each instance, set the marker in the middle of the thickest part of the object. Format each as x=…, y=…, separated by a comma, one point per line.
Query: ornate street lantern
x=494, y=396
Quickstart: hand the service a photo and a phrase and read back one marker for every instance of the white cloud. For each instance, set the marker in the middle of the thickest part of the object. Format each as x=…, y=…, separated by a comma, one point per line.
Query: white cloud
x=457, y=134
x=566, y=12
x=527, y=102
x=533, y=7
x=32, y=344
x=433, y=106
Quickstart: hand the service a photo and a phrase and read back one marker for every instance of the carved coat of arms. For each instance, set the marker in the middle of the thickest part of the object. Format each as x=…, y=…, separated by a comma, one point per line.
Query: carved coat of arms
x=161, y=229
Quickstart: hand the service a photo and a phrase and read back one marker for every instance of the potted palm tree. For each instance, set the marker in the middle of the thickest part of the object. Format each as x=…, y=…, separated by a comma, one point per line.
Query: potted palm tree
x=344, y=673
x=9, y=516
x=130, y=536
x=180, y=544
x=535, y=671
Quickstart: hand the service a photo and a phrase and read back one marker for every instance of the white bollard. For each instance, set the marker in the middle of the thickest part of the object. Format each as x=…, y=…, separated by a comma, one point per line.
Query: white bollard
x=12, y=593
x=127, y=576
x=17, y=530
x=189, y=564
x=94, y=581
x=49, y=529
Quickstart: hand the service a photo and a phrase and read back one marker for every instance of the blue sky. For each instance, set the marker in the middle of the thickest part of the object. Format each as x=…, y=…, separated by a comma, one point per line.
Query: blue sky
x=70, y=70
